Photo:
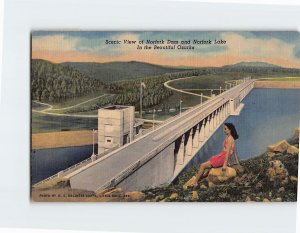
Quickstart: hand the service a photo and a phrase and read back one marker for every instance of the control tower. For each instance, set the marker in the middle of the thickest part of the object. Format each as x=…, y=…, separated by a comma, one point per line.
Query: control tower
x=116, y=127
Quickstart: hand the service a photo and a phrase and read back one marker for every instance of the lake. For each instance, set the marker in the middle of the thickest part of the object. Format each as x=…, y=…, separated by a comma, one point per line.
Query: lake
x=269, y=115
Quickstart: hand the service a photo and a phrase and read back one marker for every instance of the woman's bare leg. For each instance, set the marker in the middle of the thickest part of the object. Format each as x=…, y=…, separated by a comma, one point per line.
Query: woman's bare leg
x=202, y=167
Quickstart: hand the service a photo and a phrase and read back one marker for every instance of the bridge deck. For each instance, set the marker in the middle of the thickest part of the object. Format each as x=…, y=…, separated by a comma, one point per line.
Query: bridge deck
x=117, y=161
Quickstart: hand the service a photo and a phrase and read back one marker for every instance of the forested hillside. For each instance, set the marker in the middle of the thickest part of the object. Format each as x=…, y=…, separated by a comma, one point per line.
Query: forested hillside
x=115, y=71
x=57, y=83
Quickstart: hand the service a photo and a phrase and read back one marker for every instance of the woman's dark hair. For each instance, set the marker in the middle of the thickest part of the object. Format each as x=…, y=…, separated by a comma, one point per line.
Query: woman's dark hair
x=232, y=129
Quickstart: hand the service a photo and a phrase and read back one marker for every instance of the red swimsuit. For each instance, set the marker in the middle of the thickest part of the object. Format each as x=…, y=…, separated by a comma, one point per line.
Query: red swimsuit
x=219, y=159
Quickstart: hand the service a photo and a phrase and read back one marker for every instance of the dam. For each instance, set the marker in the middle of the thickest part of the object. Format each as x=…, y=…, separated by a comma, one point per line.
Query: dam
x=159, y=156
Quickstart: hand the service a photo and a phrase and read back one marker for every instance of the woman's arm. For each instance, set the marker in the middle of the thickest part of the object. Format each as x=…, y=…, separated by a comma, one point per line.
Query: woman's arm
x=227, y=149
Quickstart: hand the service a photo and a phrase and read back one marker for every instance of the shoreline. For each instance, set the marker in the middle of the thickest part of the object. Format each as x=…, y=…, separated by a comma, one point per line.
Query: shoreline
x=277, y=84
x=62, y=139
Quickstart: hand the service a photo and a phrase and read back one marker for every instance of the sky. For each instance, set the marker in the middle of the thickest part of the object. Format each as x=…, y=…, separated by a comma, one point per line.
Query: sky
x=276, y=47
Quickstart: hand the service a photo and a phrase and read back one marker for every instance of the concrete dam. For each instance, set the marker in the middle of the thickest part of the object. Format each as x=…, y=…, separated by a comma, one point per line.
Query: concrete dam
x=159, y=156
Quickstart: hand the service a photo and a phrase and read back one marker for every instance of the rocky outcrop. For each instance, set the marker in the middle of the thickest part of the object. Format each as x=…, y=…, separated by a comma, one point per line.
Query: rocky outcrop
x=195, y=196
x=190, y=183
x=292, y=150
x=277, y=173
x=217, y=175
x=282, y=147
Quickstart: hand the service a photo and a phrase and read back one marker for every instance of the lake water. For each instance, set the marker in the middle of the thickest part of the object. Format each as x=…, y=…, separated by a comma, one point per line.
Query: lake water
x=269, y=115
x=47, y=162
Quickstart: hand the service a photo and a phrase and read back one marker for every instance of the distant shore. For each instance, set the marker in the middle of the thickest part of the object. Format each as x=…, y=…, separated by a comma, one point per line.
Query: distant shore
x=63, y=139
x=277, y=84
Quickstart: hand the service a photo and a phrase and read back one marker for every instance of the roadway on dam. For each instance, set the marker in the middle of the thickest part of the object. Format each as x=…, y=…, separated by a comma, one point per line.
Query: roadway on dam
x=114, y=163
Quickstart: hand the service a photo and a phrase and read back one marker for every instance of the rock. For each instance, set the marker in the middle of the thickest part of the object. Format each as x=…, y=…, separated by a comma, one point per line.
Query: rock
x=190, y=183
x=134, y=196
x=203, y=186
x=158, y=198
x=278, y=199
x=258, y=185
x=266, y=200
x=174, y=196
x=216, y=175
x=248, y=199
x=281, y=146
x=277, y=173
x=293, y=150
x=195, y=196
x=293, y=179
x=270, y=154
x=257, y=199
x=281, y=190
x=211, y=184
x=238, y=168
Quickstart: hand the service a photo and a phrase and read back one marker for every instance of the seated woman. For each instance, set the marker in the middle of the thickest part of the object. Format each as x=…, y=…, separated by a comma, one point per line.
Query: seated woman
x=221, y=159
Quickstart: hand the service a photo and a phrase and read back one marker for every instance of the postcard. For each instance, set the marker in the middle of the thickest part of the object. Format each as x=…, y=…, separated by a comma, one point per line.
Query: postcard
x=164, y=116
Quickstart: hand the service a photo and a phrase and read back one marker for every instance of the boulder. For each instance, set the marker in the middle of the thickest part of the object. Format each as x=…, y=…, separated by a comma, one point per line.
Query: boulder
x=277, y=173
x=203, y=186
x=216, y=175
x=211, y=184
x=266, y=200
x=248, y=199
x=293, y=179
x=281, y=147
x=293, y=150
x=270, y=154
x=190, y=183
x=195, y=196
x=134, y=196
x=174, y=196
x=281, y=190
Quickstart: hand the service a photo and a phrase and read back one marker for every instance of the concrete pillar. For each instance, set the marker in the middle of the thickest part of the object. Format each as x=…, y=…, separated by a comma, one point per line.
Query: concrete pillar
x=223, y=112
x=211, y=123
x=206, y=128
x=201, y=133
x=195, y=138
x=218, y=116
x=215, y=119
x=180, y=154
x=189, y=143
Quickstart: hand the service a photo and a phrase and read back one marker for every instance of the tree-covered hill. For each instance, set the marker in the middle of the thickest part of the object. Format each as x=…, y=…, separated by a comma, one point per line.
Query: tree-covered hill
x=258, y=68
x=56, y=83
x=115, y=71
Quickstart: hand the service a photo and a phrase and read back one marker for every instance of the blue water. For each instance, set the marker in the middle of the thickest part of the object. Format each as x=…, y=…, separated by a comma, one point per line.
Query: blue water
x=269, y=115
x=47, y=162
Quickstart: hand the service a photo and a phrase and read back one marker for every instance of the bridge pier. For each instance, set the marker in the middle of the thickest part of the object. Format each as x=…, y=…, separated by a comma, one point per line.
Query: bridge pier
x=195, y=138
x=189, y=143
x=211, y=123
x=181, y=150
x=201, y=132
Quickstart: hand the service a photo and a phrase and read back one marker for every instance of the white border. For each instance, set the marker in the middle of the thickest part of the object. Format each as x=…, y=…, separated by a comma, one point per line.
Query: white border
x=16, y=209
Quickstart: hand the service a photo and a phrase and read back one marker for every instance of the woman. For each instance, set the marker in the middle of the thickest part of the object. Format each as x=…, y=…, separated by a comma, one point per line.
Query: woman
x=221, y=159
